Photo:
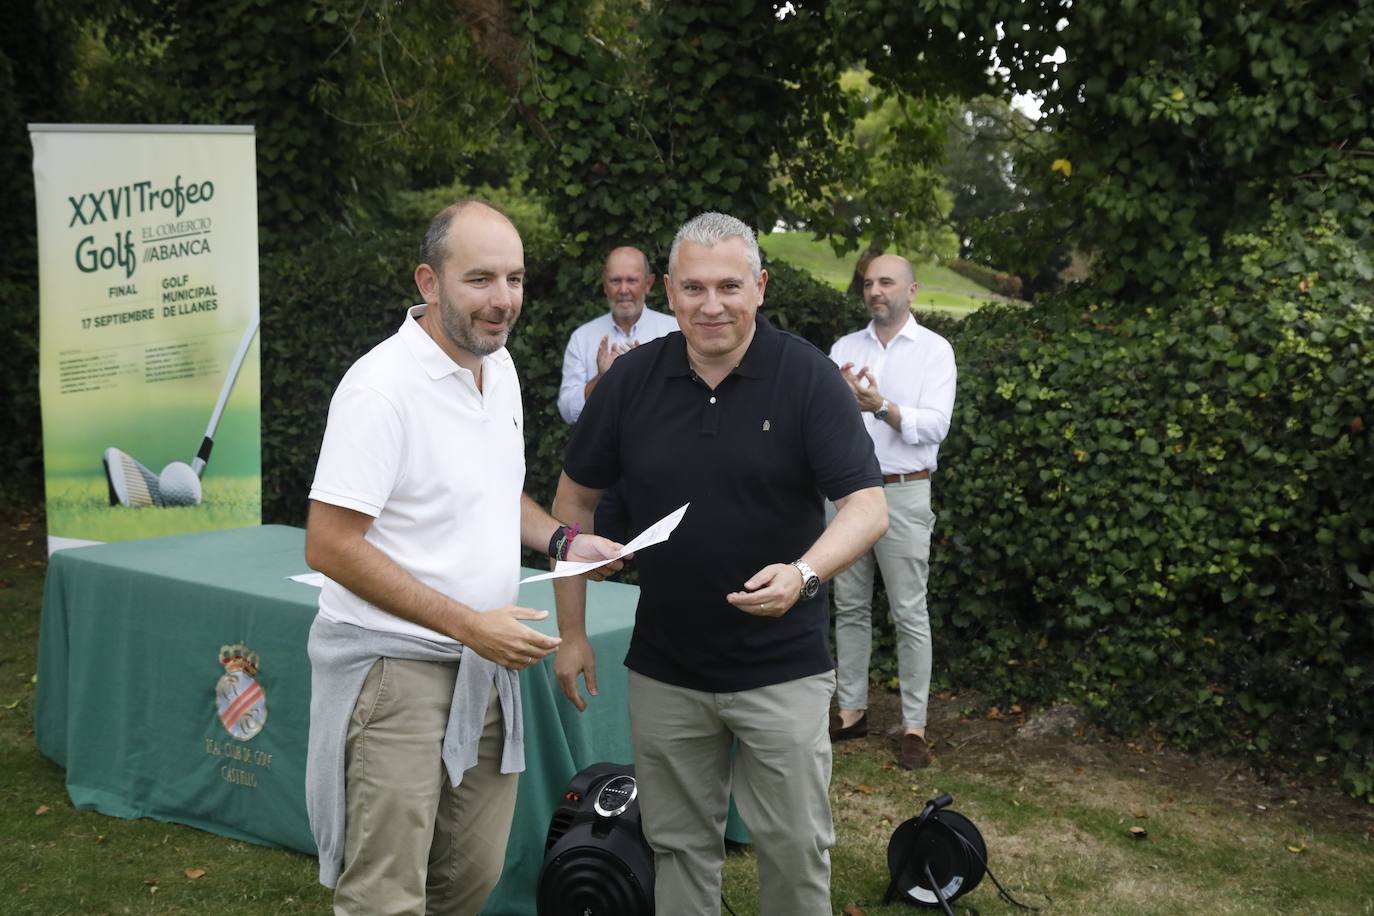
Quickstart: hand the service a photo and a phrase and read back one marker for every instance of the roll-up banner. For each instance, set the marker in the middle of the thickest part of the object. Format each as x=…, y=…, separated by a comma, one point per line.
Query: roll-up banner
x=148, y=320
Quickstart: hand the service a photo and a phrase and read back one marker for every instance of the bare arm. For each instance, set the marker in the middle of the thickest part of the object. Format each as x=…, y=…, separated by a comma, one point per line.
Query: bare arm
x=334, y=545
x=860, y=519
x=576, y=504
x=537, y=528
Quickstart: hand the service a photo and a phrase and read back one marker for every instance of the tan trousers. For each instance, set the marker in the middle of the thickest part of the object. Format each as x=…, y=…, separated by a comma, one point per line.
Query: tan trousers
x=903, y=555
x=413, y=844
x=780, y=775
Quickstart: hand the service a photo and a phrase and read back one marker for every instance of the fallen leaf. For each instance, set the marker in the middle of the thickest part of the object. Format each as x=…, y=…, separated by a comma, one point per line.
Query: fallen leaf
x=1139, y=833
x=42, y=809
x=864, y=788
x=194, y=873
x=1140, y=812
x=993, y=713
x=853, y=910
x=1301, y=847
x=1063, y=167
x=150, y=881
x=1016, y=709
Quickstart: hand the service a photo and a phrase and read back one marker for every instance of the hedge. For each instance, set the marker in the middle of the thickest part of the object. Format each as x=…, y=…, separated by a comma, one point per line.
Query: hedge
x=1153, y=512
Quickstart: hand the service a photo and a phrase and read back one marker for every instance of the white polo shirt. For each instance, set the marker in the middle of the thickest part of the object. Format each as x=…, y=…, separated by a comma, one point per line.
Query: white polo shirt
x=579, y=357
x=440, y=465
x=916, y=372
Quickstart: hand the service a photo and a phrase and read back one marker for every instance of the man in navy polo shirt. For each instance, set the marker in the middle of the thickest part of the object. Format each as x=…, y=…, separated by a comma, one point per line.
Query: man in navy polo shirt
x=753, y=427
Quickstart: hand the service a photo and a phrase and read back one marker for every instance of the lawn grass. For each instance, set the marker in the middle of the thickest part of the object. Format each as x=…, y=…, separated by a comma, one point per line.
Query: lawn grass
x=938, y=288
x=1055, y=818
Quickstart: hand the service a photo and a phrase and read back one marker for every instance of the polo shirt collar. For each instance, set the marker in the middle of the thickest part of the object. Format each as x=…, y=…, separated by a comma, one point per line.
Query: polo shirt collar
x=431, y=357
x=909, y=330
x=760, y=360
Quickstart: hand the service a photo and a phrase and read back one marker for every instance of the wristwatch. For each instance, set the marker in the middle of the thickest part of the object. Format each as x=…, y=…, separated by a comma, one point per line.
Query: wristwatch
x=811, y=583
x=881, y=412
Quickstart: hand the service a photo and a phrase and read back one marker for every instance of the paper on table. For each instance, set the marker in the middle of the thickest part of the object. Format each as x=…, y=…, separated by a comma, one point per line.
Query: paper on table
x=656, y=533
x=311, y=578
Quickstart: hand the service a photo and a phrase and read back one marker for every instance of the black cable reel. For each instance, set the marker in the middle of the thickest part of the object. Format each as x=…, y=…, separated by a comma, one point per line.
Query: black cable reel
x=935, y=858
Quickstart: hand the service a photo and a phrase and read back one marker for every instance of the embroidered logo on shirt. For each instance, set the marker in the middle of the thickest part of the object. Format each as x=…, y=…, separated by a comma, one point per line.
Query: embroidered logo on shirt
x=766, y=426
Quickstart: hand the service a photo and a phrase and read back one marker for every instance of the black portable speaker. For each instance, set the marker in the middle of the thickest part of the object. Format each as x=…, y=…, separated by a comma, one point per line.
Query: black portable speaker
x=596, y=860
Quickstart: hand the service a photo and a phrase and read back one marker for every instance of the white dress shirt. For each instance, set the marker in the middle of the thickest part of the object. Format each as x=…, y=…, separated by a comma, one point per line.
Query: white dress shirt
x=579, y=359
x=915, y=371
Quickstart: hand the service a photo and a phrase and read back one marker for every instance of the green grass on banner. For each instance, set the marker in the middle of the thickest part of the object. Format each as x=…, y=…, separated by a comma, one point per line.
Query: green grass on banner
x=79, y=507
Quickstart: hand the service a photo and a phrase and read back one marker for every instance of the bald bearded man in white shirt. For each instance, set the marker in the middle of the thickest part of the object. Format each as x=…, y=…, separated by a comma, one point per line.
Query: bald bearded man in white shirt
x=903, y=379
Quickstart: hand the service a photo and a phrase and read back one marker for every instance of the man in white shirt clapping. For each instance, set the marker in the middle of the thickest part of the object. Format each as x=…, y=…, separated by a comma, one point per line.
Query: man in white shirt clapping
x=593, y=347
x=903, y=379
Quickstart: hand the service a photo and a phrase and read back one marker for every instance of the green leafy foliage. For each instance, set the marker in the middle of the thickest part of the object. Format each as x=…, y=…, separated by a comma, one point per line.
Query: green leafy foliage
x=1152, y=512
x=1181, y=120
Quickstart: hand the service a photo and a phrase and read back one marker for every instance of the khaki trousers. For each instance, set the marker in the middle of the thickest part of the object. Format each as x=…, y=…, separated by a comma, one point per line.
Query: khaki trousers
x=780, y=776
x=413, y=844
x=903, y=554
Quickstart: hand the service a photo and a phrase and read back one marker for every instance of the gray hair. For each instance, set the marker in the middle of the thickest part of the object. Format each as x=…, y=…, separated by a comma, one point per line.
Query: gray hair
x=434, y=249
x=712, y=228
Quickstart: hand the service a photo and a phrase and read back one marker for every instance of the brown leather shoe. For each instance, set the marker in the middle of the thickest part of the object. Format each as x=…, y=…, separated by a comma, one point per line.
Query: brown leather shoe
x=838, y=732
x=915, y=753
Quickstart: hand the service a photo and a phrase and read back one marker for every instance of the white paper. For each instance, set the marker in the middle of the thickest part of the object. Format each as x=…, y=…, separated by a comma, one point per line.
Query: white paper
x=656, y=533
x=311, y=578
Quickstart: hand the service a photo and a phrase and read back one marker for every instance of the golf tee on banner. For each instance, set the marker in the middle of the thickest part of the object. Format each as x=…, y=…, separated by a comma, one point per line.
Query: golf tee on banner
x=148, y=321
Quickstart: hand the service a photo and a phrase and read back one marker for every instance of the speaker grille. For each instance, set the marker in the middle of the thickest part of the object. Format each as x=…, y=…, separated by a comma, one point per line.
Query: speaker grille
x=589, y=881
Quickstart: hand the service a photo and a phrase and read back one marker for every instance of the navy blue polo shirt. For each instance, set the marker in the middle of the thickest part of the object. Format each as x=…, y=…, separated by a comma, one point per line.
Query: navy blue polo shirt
x=753, y=457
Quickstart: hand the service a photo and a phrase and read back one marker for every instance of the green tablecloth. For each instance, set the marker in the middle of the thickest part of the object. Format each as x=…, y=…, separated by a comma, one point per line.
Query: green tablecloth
x=129, y=659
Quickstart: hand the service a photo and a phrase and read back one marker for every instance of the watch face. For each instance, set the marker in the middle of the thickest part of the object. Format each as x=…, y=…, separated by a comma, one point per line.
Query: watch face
x=811, y=586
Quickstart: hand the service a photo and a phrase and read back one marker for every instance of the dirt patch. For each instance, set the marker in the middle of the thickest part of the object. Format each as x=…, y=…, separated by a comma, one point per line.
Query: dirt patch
x=967, y=733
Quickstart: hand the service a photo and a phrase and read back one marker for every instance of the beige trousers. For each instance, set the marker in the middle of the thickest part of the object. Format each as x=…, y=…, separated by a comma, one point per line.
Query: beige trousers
x=780, y=774
x=413, y=844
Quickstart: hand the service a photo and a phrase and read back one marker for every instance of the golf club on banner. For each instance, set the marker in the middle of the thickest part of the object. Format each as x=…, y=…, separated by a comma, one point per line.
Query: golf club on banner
x=133, y=484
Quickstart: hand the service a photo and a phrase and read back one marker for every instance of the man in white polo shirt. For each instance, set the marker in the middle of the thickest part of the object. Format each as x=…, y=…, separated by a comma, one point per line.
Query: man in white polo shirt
x=417, y=516
x=903, y=379
x=595, y=346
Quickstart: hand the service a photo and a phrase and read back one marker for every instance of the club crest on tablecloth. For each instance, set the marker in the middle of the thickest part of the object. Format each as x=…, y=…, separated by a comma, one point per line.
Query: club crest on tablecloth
x=240, y=699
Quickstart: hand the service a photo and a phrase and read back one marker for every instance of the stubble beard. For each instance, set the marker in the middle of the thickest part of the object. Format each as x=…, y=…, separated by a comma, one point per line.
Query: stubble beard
x=458, y=325
x=629, y=310
x=884, y=313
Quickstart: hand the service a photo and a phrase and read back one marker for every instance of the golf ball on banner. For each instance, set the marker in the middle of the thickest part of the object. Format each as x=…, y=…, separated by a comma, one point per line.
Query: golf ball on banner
x=179, y=485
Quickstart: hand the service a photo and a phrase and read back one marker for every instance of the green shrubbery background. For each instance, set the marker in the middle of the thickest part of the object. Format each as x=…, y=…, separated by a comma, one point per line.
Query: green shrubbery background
x=1153, y=513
